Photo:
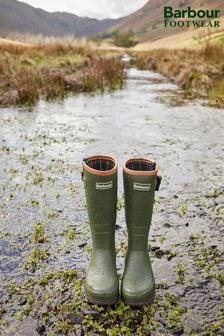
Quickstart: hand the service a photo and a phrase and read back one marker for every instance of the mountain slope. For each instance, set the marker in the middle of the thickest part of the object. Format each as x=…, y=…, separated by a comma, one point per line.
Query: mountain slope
x=20, y=17
x=148, y=22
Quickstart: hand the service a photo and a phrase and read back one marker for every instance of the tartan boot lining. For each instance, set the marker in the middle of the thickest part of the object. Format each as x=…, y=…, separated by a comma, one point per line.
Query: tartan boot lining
x=141, y=165
x=100, y=164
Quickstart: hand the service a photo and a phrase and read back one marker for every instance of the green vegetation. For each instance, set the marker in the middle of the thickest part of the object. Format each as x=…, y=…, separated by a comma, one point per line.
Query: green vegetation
x=34, y=259
x=49, y=71
x=180, y=269
x=38, y=235
x=120, y=203
x=124, y=39
x=198, y=70
x=64, y=316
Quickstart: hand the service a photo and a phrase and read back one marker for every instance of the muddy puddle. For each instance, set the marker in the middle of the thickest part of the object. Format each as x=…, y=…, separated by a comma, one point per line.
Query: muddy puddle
x=43, y=219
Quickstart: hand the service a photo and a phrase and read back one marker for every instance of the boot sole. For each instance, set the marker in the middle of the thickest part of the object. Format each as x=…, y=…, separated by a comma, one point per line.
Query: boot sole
x=102, y=302
x=138, y=303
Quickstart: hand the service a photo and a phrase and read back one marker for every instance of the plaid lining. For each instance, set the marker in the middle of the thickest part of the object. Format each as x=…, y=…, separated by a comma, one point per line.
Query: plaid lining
x=100, y=164
x=141, y=165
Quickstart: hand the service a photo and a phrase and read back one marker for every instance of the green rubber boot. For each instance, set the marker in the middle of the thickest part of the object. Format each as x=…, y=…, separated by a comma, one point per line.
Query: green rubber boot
x=100, y=179
x=140, y=182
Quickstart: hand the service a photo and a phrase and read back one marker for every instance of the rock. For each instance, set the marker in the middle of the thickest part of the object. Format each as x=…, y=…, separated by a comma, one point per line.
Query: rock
x=159, y=319
x=91, y=312
x=21, y=328
x=193, y=325
x=75, y=319
x=167, y=225
x=159, y=253
x=154, y=248
x=178, y=331
x=41, y=329
x=82, y=245
x=22, y=301
x=221, y=331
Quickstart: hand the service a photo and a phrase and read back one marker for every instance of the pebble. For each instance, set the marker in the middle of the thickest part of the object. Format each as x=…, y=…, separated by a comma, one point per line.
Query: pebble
x=178, y=331
x=158, y=318
x=159, y=253
x=154, y=248
x=221, y=331
x=75, y=319
x=91, y=312
x=82, y=245
x=194, y=325
x=41, y=329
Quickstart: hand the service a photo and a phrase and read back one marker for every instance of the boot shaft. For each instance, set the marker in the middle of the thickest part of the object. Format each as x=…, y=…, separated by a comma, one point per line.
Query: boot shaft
x=100, y=180
x=140, y=177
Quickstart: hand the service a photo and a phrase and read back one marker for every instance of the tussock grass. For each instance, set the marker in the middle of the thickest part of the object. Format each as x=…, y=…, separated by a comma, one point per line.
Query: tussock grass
x=200, y=70
x=52, y=70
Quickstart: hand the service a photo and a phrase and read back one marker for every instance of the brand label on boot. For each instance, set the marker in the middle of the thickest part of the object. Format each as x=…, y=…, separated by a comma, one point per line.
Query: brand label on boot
x=104, y=186
x=142, y=186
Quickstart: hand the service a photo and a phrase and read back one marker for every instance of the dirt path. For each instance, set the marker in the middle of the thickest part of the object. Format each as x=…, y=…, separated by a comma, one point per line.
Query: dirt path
x=40, y=155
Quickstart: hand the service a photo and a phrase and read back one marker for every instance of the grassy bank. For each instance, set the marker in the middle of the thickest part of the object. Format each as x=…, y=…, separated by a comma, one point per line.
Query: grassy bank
x=200, y=71
x=53, y=70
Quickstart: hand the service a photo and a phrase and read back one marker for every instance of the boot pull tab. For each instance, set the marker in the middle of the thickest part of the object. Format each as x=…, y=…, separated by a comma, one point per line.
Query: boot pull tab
x=82, y=172
x=158, y=182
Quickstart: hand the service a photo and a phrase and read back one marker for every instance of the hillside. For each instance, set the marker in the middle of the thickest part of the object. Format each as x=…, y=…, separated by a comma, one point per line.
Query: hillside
x=22, y=18
x=148, y=23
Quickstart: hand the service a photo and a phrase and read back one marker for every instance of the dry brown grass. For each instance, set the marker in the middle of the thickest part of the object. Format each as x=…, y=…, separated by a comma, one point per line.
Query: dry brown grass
x=199, y=70
x=53, y=70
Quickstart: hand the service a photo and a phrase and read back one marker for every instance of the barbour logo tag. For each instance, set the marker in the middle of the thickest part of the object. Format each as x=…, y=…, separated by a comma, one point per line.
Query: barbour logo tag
x=104, y=186
x=142, y=186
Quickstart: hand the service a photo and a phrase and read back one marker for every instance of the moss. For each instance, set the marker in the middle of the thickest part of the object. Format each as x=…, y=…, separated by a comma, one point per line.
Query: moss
x=38, y=235
x=38, y=178
x=35, y=258
x=180, y=269
x=34, y=202
x=69, y=233
x=182, y=209
x=162, y=239
x=63, y=292
x=120, y=203
x=13, y=288
x=52, y=214
x=122, y=247
x=4, y=234
x=208, y=258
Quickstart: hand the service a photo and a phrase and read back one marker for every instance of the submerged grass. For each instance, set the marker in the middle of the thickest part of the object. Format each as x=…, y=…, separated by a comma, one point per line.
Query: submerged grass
x=200, y=70
x=49, y=71
x=57, y=301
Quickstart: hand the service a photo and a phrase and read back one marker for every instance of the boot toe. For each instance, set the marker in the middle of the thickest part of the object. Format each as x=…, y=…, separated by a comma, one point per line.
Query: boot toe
x=101, y=289
x=100, y=294
x=137, y=296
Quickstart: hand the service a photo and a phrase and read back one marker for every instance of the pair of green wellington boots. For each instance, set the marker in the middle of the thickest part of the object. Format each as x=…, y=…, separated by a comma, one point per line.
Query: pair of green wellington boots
x=140, y=183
